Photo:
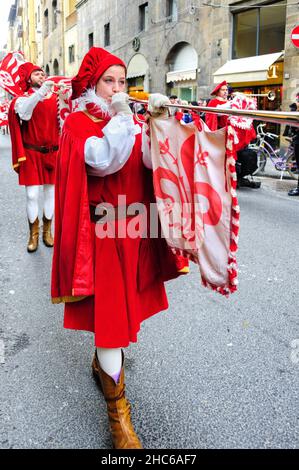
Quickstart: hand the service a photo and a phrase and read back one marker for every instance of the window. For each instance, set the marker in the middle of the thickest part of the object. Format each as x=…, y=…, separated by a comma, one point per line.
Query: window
x=55, y=11
x=171, y=10
x=46, y=22
x=56, y=67
x=259, y=31
x=143, y=17
x=107, y=34
x=90, y=40
x=72, y=53
x=38, y=13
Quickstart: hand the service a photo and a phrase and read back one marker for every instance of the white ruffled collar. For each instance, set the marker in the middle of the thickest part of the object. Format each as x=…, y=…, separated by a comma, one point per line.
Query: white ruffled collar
x=90, y=97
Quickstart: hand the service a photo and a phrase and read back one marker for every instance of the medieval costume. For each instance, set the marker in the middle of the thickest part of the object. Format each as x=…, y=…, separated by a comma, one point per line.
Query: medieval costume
x=110, y=283
x=213, y=120
x=247, y=159
x=34, y=131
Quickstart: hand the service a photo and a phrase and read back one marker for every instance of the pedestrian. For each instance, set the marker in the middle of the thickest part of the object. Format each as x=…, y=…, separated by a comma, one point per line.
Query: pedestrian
x=173, y=100
x=293, y=132
x=34, y=128
x=109, y=284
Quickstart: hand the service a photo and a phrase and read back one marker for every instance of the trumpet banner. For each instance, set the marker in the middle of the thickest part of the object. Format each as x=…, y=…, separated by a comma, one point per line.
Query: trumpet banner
x=9, y=79
x=9, y=75
x=195, y=185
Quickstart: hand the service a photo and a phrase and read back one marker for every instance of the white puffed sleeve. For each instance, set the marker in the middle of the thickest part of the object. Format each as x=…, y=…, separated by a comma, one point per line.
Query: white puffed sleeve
x=108, y=154
x=146, y=149
x=25, y=105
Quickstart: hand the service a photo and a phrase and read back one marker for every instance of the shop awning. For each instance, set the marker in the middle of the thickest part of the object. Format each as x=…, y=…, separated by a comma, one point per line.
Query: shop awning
x=180, y=75
x=137, y=67
x=248, y=69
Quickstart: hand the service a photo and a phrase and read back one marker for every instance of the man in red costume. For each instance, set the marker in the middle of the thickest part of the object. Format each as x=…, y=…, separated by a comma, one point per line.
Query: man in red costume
x=212, y=120
x=34, y=128
x=217, y=121
x=110, y=284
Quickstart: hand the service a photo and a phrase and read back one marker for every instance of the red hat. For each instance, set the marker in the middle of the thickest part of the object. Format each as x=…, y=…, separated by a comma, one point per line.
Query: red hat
x=94, y=64
x=217, y=88
x=25, y=71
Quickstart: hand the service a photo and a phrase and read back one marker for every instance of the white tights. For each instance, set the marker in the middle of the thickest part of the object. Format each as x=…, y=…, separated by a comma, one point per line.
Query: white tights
x=110, y=360
x=32, y=201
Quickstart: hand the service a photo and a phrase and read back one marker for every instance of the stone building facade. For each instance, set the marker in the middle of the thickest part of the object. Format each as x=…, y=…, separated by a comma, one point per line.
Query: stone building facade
x=178, y=46
x=53, y=37
x=175, y=46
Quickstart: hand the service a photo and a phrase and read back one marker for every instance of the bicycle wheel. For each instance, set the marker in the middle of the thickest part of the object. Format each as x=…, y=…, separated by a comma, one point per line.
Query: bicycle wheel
x=291, y=166
x=261, y=161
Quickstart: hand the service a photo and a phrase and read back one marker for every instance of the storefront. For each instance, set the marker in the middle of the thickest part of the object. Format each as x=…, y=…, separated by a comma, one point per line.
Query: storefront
x=181, y=79
x=256, y=75
x=138, y=77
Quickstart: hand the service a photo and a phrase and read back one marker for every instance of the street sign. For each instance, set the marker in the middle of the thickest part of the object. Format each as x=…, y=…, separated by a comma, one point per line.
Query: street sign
x=295, y=36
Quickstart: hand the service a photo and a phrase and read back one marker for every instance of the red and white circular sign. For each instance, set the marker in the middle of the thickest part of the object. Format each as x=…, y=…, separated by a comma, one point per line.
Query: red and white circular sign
x=295, y=36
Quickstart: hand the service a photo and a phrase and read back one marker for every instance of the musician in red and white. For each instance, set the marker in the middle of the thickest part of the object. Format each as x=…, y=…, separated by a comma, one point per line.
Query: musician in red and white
x=110, y=285
x=34, y=127
x=220, y=94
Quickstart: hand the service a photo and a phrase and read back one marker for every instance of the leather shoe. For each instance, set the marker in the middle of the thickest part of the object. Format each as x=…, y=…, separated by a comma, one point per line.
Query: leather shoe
x=294, y=192
x=249, y=183
x=118, y=408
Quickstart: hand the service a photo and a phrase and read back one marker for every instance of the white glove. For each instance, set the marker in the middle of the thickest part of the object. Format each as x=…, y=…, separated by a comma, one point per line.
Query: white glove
x=45, y=88
x=120, y=103
x=156, y=104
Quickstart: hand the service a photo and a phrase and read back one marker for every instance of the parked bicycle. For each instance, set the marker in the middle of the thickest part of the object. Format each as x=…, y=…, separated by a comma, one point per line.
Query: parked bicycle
x=282, y=160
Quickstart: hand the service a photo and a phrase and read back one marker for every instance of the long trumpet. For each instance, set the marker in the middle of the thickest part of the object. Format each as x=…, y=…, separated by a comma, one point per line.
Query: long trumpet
x=270, y=95
x=277, y=117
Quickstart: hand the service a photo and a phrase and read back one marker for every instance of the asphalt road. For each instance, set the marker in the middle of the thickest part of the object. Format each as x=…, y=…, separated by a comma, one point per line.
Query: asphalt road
x=209, y=373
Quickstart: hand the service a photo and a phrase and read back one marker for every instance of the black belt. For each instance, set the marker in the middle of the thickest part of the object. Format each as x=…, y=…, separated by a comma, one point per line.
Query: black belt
x=42, y=149
x=110, y=213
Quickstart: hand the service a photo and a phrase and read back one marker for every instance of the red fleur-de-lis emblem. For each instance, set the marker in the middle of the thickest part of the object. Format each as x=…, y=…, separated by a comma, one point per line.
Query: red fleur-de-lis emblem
x=164, y=150
x=201, y=158
x=164, y=146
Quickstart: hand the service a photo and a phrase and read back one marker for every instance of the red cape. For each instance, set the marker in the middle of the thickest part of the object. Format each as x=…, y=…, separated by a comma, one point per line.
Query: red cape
x=212, y=120
x=17, y=149
x=73, y=263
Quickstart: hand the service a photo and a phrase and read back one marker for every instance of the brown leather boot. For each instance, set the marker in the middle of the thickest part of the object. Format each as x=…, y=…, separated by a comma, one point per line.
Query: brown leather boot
x=33, y=237
x=118, y=407
x=47, y=236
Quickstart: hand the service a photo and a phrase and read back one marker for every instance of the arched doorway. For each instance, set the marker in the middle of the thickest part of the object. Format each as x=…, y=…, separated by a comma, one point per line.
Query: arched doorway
x=56, y=67
x=138, y=76
x=181, y=79
x=47, y=70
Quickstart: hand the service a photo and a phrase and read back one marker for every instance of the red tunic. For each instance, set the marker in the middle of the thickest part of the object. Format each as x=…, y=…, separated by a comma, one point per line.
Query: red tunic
x=122, y=279
x=213, y=120
x=42, y=130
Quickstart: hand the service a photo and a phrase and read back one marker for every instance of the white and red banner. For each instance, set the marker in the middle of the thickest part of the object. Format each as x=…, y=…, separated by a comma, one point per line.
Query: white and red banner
x=195, y=185
x=9, y=78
